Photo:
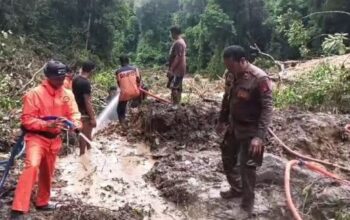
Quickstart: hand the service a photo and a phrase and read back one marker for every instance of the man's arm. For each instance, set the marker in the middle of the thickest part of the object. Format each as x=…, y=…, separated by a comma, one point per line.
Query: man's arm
x=225, y=109
x=88, y=105
x=138, y=77
x=265, y=91
x=73, y=112
x=30, y=118
x=225, y=104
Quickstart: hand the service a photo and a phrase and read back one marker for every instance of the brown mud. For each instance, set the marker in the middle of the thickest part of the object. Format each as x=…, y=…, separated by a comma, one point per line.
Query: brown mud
x=189, y=169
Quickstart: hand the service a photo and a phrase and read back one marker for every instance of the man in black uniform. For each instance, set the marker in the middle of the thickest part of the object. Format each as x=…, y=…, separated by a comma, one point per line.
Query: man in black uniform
x=245, y=115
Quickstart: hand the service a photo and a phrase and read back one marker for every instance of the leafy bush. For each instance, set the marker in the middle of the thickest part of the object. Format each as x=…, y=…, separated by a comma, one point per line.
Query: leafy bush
x=335, y=44
x=105, y=79
x=325, y=88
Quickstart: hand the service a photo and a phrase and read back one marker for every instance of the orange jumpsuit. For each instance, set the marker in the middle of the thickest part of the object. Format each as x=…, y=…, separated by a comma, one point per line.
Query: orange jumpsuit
x=68, y=82
x=41, y=151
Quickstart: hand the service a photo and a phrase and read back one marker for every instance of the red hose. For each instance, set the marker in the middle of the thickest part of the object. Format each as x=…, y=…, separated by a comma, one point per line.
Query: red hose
x=154, y=96
x=290, y=203
x=311, y=166
x=285, y=147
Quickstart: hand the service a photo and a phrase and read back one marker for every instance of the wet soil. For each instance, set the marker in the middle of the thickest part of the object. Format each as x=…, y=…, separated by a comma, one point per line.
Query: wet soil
x=189, y=169
x=105, y=183
x=178, y=173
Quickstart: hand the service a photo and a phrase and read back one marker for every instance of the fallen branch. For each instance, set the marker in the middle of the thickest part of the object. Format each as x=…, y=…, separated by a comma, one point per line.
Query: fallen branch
x=276, y=62
x=31, y=80
x=327, y=12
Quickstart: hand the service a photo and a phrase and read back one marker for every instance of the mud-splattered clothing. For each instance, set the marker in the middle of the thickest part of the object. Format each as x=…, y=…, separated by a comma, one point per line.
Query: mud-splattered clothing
x=247, y=108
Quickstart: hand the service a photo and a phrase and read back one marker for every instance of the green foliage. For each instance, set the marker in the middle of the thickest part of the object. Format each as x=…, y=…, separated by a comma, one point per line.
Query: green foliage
x=155, y=19
x=103, y=30
x=67, y=26
x=335, y=44
x=104, y=79
x=291, y=26
x=342, y=216
x=325, y=88
x=208, y=39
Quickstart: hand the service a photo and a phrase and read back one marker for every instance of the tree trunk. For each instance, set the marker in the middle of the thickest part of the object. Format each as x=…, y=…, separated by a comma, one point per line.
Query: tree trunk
x=89, y=26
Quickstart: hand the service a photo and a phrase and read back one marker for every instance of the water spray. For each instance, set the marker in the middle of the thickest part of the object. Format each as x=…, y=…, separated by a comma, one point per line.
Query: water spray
x=102, y=119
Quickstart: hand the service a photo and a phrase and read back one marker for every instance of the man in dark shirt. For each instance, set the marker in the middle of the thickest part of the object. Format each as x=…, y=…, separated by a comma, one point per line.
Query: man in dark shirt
x=246, y=114
x=82, y=92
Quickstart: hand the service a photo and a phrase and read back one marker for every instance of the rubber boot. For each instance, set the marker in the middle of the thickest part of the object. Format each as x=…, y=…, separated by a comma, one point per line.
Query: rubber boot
x=45, y=208
x=248, y=182
x=231, y=193
x=235, y=189
x=18, y=215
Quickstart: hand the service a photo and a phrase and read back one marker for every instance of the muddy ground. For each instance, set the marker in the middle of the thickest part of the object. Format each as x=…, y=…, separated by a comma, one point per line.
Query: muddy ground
x=178, y=173
x=189, y=170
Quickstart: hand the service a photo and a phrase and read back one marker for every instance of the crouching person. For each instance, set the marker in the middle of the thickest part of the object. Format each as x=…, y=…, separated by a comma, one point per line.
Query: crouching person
x=129, y=80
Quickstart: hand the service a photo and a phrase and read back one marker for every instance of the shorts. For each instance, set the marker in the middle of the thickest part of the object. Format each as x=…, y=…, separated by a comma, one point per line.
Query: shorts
x=175, y=82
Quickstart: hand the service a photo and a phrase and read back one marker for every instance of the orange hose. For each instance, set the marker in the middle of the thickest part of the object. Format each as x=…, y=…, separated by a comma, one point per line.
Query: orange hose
x=290, y=203
x=154, y=96
x=310, y=166
x=289, y=150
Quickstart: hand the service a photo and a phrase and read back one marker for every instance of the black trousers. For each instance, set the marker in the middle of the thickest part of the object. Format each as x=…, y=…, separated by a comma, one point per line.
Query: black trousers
x=233, y=151
x=121, y=110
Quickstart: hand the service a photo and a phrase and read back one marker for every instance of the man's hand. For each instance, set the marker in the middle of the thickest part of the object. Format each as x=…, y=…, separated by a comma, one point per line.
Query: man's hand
x=93, y=122
x=256, y=147
x=347, y=128
x=56, y=124
x=221, y=128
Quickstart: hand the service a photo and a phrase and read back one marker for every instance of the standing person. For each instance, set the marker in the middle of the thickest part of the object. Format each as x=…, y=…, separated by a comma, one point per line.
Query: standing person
x=129, y=80
x=247, y=107
x=177, y=65
x=68, y=81
x=42, y=138
x=82, y=93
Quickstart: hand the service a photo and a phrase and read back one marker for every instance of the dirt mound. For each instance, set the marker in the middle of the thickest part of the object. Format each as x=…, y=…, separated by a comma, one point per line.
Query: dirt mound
x=189, y=168
x=84, y=212
x=307, y=66
x=190, y=126
x=319, y=135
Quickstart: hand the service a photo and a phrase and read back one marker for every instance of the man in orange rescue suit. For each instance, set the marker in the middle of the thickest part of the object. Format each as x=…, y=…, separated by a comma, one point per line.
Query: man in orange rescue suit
x=246, y=114
x=42, y=138
x=128, y=79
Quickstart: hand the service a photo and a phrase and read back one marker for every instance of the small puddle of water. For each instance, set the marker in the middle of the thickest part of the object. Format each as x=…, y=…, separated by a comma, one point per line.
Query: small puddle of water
x=114, y=178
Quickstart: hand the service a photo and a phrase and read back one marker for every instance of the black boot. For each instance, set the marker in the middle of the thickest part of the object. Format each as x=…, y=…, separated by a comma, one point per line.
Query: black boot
x=48, y=207
x=248, y=180
x=233, y=192
x=247, y=205
x=18, y=215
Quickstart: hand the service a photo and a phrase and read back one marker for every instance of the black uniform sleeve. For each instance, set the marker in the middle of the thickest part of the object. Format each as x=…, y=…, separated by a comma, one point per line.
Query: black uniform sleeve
x=225, y=105
x=265, y=90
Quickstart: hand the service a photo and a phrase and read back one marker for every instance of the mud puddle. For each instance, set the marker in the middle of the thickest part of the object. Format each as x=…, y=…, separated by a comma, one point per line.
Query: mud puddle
x=113, y=178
